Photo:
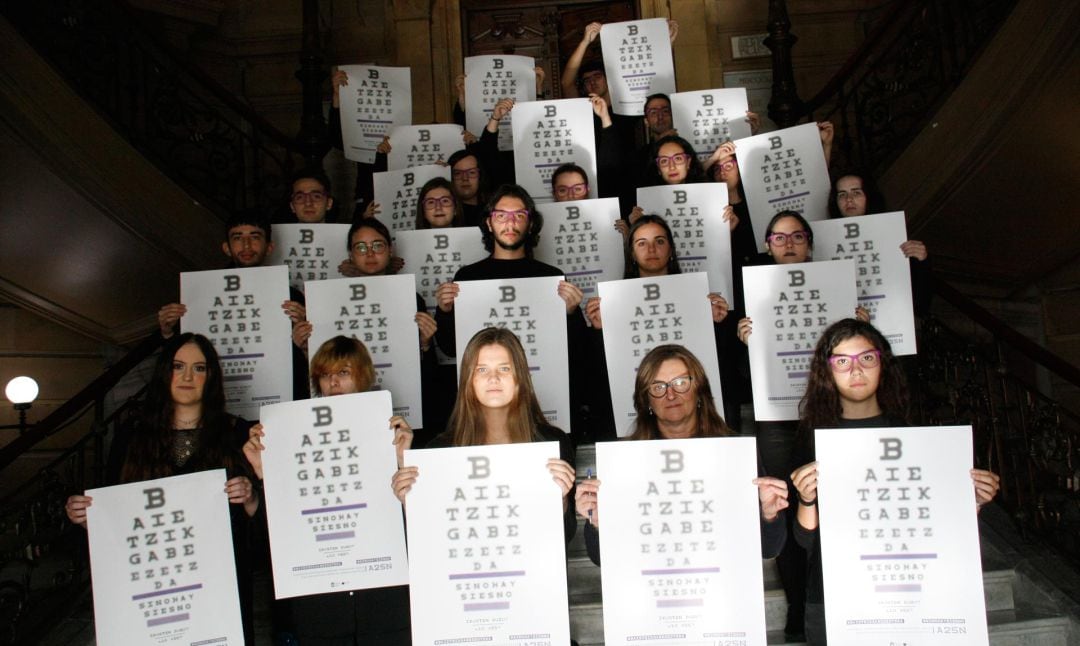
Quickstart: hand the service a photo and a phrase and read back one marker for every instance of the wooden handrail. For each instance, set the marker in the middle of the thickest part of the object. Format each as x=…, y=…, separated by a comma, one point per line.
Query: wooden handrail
x=85, y=397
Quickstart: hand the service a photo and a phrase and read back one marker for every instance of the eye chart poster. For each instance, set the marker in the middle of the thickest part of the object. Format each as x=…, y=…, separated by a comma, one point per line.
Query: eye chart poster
x=433, y=256
x=680, y=527
x=882, y=271
x=239, y=310
x=375, y=100
x=899, y=536
x=642, y=313
x=486, y=556
x=695, y=213
x=790, y=305
x=396, y=192
x=708, y=118
x=378, y=311
x=637, y=62
x=311, y=251
x=488, y=79
x=532, y=309
x=548, y=134
x=784, y=170
x=423, y=145
x=161, y=560
x=580, y=238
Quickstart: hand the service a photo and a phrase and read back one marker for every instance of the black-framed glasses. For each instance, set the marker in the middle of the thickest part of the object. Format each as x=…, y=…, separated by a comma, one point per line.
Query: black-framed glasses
x=680, y=385
x=865, y=360
x=300, y=197
x=364, y=248
x=797, y=238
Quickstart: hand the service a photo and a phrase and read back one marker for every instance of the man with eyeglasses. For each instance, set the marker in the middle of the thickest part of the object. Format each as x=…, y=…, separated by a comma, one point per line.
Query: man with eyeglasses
x=310, y=199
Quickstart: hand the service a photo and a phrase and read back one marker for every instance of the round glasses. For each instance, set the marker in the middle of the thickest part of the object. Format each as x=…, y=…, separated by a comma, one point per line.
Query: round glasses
x=797, y=238
x=865, y=360
x=680, y=385
x=363, y=248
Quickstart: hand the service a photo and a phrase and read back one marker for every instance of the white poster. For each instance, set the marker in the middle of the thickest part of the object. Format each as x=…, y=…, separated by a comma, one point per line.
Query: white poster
x=423, y=145
x=548, y=134
x=695, y=213
x=882, y=271
x=396, y=192
x=433, y=256
x=239, y=310
x=680, y=540
x=790, y=305
x=377, y=310
x=311, y=251
x=487, y=561
x=708, y=118
x=488, y=79
x=580, y=238
x=642, y=313
x=899, y=537
x=784, y=170
x=375, y=100
x=638, y=62
x=532, y=309
x=334, y=521
x=161, y=562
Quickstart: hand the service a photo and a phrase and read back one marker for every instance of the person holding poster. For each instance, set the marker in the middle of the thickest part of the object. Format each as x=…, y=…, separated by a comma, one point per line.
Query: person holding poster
x=673, y=400
x=496, y=404
x=855, y=193
x=855, y=382
x=343, y=366
x=183, y=428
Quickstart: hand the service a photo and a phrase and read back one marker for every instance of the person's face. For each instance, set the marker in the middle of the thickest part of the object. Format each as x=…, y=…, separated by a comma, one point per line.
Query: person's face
x=652, y=249
x=510, y=231
x=595, y=82
x=789, y=252
x=658, y=116
x=570, y=186
x=339, y=380
x=861, y=383
x=310, y=201
x=726, y=170
x=369, y=251
x=188, y=375
x=674, y=407
x=247, y=246
x=673, y=163
x=850, y=198
x=493, y=377
x=466, y=176
x=438, y=206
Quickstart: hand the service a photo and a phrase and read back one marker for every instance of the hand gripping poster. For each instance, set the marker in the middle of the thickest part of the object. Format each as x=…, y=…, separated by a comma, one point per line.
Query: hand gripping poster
x=580, y=238
x=882, y=271
x=489, y=79
x=784, y=170
x=396, y=192
x=239, y=310
x=637, y=62
x=376, y=310
x=899, y=536
x=433, y=256
x=789, y=306
x=532, y=309
x=375, y=100
x=334, y=522
x=708, y=118
x=695, y=213
x=310, y=251
x=680, y=540
x=423, y=145
x=161, y=561
x=487, y=562
x=641, y=313
x=548, y=134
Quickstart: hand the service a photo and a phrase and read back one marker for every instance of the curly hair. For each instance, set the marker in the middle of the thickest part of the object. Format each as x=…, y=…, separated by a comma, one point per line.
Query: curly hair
x=709, y=422
x=536, y=220
x=695, y=173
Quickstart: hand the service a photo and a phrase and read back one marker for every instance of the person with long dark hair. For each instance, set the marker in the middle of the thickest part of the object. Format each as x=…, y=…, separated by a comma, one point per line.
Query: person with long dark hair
x=673, y=400
x=183, y=428
x=436, y=206
x=855, y=382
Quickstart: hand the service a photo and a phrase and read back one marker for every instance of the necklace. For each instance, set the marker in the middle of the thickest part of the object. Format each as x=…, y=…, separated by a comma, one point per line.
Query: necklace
x=187, y=423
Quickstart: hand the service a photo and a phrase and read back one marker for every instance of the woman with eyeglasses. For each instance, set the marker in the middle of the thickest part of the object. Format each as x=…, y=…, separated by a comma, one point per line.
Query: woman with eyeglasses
x=342, y=366
x=673, y=400
x=855, y=382
x=436, y=206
